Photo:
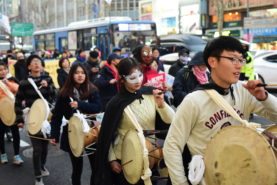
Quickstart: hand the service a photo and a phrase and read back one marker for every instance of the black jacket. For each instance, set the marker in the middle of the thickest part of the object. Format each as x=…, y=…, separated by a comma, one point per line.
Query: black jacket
x=62, y=76
x=173, y=70
x=26, y=94
x=62, y=109
x=89, y=65
x=20, y=70
x=184, y=83
x=107, y=90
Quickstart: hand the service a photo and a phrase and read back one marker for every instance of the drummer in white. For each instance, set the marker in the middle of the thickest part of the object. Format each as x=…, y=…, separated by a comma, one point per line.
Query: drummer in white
x=199, y=118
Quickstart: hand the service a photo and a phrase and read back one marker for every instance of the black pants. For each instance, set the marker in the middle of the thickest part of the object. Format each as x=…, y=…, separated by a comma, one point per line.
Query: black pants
x=16, y=138
x=77, y=168
x=40, y=150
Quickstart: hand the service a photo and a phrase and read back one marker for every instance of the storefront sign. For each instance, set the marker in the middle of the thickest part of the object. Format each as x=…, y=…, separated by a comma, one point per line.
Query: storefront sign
x=259, y=23
x=238, y=4
x=263, y=31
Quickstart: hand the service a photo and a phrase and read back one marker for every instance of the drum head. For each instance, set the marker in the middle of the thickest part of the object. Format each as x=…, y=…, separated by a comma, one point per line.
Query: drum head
x=241, y=156
x=76, y=136
x=132, y=157
x=7, y=113
x=36, y=116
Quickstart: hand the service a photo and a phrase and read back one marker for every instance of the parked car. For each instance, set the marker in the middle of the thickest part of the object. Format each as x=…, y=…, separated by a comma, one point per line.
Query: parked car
x=174, y=43
x=266, y=67
x=170, y=45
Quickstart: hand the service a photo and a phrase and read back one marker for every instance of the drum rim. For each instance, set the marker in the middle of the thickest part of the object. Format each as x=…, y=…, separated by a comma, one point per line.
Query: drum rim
x=213, y=146
x=11, y=119
x=138, y=151
x=35, y=128
x=80, y=147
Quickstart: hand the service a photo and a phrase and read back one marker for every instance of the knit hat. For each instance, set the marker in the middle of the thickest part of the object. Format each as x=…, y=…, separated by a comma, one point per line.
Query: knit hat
x=197, y=59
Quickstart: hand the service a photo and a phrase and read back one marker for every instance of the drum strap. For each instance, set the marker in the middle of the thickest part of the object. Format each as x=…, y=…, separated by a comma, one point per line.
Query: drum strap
x=146, y=170
x=40, y=95
x=221, y=102
x=6, y=90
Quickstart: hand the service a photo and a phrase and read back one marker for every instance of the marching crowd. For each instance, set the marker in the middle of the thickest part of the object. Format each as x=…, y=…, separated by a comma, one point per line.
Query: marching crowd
x=123, y=89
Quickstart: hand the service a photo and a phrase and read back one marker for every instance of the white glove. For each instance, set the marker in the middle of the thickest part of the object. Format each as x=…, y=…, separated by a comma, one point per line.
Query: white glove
x=196, y=169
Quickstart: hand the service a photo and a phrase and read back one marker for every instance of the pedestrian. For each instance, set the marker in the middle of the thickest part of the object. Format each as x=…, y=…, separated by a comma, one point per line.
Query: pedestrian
x=193, y=124
x=131, y=109
x=107, y=79
x=189, y=77
x=143, y=54
x=20, y=68
x=80, y=56
x=85, y=98
x=93, y=65
x=25, y=97
x=156, y=57
x=63, y=71
x=10, y=84
x=183, y=60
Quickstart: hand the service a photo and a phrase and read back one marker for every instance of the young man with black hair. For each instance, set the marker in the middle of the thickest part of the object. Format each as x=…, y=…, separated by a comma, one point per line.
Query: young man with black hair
x=194, y=126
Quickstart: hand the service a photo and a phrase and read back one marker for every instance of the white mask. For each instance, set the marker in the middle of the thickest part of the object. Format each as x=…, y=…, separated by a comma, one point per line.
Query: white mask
x=135, y=77
x=184, y=59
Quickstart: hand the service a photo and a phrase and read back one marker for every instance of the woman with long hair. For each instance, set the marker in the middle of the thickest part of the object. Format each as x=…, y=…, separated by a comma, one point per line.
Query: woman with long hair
x=133, y=108
x=86, y=99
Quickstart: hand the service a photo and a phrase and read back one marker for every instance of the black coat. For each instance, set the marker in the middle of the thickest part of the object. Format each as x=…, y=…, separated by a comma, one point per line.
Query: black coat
x=89, y=65
x=20, y=70
x=62, y=76
x=62, y=109
x=173, y=70
x=107, y=90
x=26, y=94
x=184, y=83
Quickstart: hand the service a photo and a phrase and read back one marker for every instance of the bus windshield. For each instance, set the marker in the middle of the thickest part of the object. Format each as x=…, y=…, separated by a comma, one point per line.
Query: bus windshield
x=129, y=36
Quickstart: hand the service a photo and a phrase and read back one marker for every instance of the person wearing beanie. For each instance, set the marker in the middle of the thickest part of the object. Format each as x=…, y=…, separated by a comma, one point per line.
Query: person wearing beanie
x=93, y=65
x=189, y=77
x=181, y=62
x=199, y=118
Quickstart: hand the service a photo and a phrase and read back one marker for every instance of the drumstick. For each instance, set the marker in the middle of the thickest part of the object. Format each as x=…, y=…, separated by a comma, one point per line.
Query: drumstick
x=126, y=163
x=266, y=85
x=39, y=138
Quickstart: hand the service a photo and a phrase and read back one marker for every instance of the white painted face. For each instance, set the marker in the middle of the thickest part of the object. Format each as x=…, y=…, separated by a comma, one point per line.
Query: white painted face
x=135, y=77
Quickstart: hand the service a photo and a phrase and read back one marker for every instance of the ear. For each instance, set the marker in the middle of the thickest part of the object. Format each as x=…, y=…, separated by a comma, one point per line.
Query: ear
x=212, y=61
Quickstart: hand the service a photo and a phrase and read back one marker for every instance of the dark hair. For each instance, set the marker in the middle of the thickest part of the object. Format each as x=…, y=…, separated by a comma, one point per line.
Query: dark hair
x=61, y=62
x=183, y=51
x=126, y=65
x=137, y=53
x=31, y=57
x=215, y=47
x=93, y=54
x=155, y=48
x=3, y=64
x=85, y=89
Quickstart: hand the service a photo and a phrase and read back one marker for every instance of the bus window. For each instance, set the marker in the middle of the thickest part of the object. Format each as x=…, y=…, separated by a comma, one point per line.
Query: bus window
x=80, y=39
x=72, y=40
x=50, y=41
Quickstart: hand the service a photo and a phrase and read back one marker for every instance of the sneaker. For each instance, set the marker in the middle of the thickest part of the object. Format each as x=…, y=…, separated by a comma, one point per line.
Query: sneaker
x=4, y=158
x=17, y=160
x=39, y=181
x=44, y=172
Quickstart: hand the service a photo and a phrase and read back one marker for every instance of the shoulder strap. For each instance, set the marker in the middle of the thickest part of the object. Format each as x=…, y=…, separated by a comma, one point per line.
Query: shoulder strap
x=221, y=102
x=6, y=90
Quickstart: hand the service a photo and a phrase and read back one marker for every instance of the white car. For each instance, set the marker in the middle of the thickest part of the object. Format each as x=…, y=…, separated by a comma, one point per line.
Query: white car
x=266, y=67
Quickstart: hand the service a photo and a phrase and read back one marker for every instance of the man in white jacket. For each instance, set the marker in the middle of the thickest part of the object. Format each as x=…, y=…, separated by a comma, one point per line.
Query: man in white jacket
x=199, y=118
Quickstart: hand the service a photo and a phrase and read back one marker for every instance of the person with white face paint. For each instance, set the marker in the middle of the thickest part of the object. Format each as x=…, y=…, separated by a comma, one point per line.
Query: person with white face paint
x=184, y=59
x=132, y=104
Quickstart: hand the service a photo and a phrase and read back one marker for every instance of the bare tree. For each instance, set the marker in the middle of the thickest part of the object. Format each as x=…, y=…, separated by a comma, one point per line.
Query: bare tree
x=219, y=4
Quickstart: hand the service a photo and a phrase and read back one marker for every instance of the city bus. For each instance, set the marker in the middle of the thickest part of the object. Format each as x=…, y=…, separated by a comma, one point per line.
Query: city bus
x=103, y=33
